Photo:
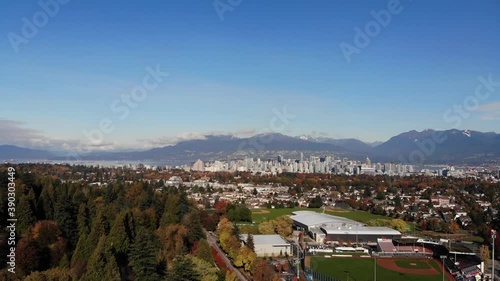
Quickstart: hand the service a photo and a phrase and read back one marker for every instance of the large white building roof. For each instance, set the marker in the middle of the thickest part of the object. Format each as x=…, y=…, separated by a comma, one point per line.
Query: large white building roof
x=311, y=219
x=338, y=225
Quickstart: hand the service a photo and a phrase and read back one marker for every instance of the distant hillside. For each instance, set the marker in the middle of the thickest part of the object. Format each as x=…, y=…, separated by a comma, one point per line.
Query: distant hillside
x=14, y=152
x=415, y=147
x=353, y=145
x=222, y=146
x=457, y=147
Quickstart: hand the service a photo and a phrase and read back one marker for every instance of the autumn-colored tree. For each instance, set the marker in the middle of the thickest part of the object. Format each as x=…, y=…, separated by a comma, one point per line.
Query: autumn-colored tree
x=283, y=226
x=221, y=207
x=173, y=240
x=30, y=256
x=484, y=253
x=423, y=225
x=54, y=274
x=232, y=246
x=225, y=226
x=276, y=277
x=209, y=223
x=399, y=225
x=134, y=193
x=148, y=218
x=245, y=258
x=262, y=271
x=58, y=250
x=434, y=224
x=231, y=276
x=279, y=267
x=204, y=252
x=266, y=227
x=207, y=271
x=219, y=261
x=454, y=227
x=46, y=232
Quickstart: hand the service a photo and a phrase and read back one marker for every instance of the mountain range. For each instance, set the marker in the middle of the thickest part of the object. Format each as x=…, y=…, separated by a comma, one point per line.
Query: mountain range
x=429, y=146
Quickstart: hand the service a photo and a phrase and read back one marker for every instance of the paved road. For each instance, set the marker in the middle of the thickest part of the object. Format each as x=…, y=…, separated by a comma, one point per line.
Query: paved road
x=212, y=240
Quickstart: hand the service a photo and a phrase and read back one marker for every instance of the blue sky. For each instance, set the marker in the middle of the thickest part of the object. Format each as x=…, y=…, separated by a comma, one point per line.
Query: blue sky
x=231, y=75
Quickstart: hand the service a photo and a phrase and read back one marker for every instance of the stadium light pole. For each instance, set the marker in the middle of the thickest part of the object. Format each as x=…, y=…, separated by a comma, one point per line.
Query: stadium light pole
x=493, y=236
x=442, y=262
x=375, y=267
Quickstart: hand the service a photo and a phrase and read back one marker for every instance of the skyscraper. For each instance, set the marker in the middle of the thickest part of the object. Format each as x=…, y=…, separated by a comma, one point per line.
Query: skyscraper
x=368, y=162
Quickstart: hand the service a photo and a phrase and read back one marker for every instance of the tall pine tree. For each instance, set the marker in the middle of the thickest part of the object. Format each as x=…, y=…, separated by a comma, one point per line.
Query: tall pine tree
x=102, y=264
x=83, y=220
x=250, y=242
x=184, y=270
x=25, y=218
x=65, y=216
x=143, y=256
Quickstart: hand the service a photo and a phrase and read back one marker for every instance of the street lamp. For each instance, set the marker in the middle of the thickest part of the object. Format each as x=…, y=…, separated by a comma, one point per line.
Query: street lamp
x=493, y=236
x=443, y=257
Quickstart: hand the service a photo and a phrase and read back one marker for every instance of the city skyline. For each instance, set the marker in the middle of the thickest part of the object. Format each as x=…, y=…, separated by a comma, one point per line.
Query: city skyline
x=234, y=72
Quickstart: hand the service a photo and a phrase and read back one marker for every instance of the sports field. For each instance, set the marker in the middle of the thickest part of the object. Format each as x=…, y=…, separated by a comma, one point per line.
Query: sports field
x=362, y=269
x=260, y=215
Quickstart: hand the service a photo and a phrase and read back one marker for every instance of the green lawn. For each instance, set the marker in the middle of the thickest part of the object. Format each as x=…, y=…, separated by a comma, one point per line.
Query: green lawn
x=259, y=217
x=413, y=264
x=362, y=269
x=360, y=216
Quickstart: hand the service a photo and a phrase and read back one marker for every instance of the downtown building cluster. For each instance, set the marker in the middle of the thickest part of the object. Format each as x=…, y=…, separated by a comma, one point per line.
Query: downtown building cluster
x=338, y=166
x=313, y=164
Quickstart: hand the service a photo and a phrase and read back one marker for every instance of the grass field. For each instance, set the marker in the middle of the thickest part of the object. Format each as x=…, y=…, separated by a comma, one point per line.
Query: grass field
x=413, y=264
x=261, y=215
x=362, y=269
x=360, y=216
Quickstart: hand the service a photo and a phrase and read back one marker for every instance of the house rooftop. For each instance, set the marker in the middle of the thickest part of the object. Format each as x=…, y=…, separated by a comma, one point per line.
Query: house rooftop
x=266, y=239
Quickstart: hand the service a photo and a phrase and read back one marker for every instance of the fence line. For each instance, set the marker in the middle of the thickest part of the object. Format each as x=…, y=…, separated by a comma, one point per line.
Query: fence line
x=318, y=276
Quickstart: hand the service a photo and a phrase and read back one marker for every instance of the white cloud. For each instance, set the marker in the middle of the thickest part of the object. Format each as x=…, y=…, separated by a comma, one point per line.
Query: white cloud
x=490, y=111
x=17, y=133
x=14, y=133
x=172, y=140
